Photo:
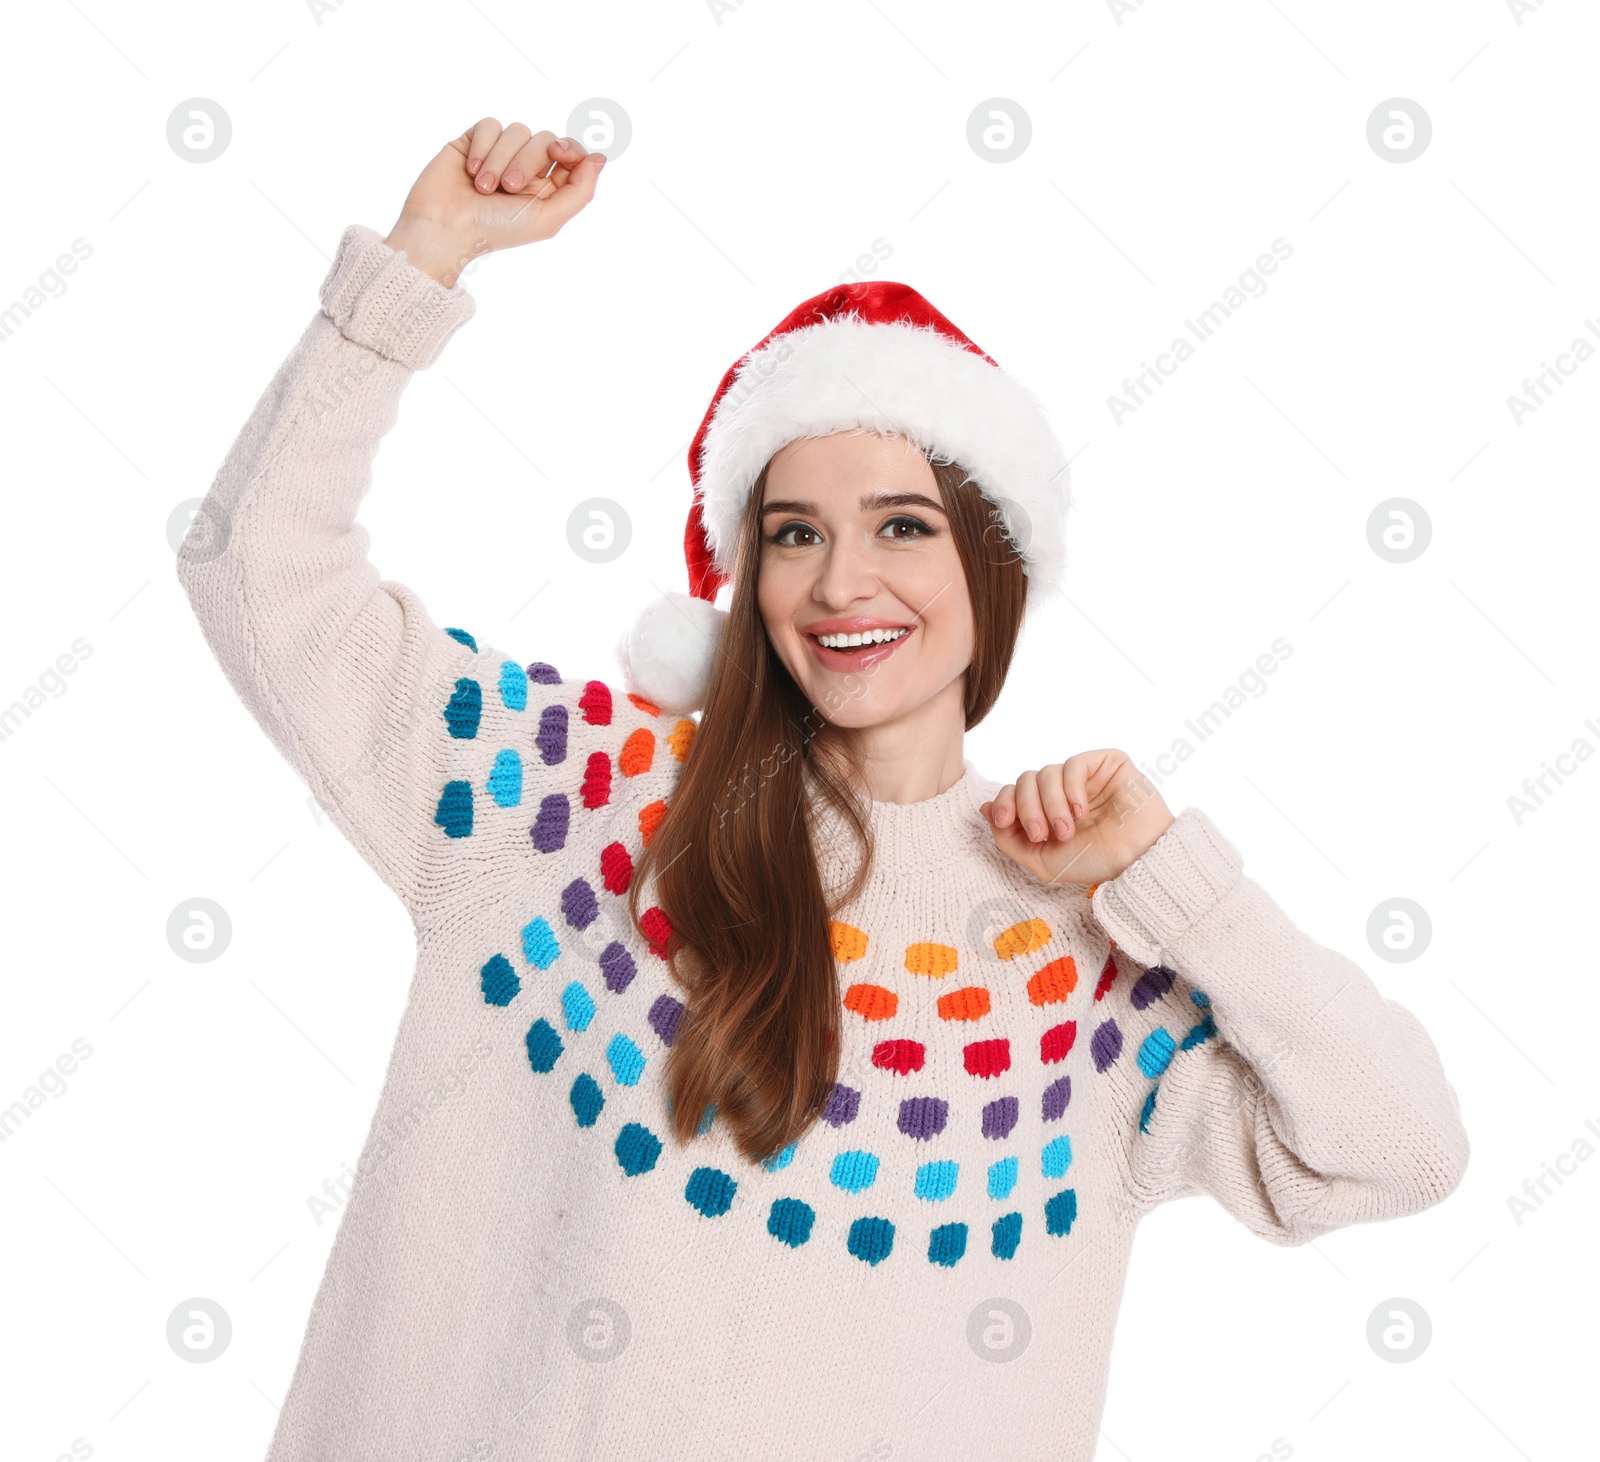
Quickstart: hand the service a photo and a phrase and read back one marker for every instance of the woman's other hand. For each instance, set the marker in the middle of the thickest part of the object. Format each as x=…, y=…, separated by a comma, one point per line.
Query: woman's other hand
x=492, y=188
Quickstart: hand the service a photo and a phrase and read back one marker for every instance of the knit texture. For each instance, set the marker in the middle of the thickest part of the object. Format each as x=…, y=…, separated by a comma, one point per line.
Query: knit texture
x=529, y=1265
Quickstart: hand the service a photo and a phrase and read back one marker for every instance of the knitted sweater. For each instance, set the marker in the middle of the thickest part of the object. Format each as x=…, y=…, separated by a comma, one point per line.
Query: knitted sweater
x=529, y=1266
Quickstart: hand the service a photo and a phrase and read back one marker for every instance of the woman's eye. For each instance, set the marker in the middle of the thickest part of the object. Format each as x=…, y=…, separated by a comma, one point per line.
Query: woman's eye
x=906, y=527
x=795, y=535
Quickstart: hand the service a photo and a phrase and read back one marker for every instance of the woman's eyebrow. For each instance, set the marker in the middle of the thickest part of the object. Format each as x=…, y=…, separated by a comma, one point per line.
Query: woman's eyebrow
x=870, y=502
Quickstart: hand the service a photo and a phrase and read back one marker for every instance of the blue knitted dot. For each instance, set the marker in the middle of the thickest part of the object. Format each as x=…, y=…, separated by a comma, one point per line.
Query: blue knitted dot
x=711, y=1191
x=1146, y=1110
x=854, y=1171
x=871, y=1239
x=936, y=1181
x=1200, y=998
x=947, y=1243
x=1155, y=1051
x=539, y=946
x=455, y=809
x=1007, y=1235
x=1057, y=1156
x=544, y=1045
x=637, y=1149
x=577, y=1006
x=499, y=981
x=513, y=686
x=1060, y=1212
x=1002, y=1177
x=1200, y=1033
x=707, y=1117
x=464, y=709
x=587, y=1099
x=505, y=779
x=782, y=1158
x=627, y=1060
x=462, y=637
x=790, y=1221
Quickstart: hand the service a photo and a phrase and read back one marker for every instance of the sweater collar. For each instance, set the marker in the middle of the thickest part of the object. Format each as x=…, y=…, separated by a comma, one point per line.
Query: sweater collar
x=935, y=832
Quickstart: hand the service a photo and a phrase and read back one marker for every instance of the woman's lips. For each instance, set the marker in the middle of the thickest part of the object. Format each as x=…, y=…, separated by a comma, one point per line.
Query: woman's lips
x=866, y=658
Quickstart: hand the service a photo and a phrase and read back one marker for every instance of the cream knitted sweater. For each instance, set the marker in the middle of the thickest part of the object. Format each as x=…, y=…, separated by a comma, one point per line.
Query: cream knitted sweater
x=529, y=1266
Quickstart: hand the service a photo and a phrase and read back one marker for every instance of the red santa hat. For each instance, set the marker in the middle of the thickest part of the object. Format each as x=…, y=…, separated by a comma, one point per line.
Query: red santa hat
x=875, y=356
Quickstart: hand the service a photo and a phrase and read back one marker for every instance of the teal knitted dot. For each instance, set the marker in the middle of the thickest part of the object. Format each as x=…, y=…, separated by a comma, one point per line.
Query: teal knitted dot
x=947, y=1243
x=587, y=1099
x=1007, y=1235
x=707, y=1117
x=462, y=714
x=711, y=1191
x=790, y=1221
x=1146, y=1110
x=637, y=1149
x=782, y=1158
x=1002, y=1177
x=871, y=1239
x=1060, y=1212
x=544, y=1045
x=454, y=813
x=462, y=637
x=627, y=1060
x=577, y=1006
x=499, y=981
x=1057, y=1156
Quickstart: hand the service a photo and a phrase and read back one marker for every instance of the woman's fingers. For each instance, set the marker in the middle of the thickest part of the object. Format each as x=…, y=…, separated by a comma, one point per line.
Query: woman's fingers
x=480, y=139
x=1030, y=807
x=507, y=145
x=1054, y=800
x=575, y=193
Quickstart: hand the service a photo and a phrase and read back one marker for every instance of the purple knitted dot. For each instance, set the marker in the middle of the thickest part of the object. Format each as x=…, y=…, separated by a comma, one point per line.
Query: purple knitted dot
x=1151, y=986
x=618, y=967
x=541, y=674
x=552, y=737
x=579, y=905
x=1056, y=1097
x=549, y=830
x=844, y=1105
x=923, y=1117
x=664, y=1016
x=1105, y=1044
x=1000, y=1116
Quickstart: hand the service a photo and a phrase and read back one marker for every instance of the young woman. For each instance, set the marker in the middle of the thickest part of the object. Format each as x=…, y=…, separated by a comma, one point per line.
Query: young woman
x=771, y=1084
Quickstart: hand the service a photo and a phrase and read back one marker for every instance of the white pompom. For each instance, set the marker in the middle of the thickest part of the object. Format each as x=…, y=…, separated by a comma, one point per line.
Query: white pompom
x=667, y=655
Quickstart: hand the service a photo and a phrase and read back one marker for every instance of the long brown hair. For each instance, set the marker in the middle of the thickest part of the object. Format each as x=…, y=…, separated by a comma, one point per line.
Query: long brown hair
x=733, y=863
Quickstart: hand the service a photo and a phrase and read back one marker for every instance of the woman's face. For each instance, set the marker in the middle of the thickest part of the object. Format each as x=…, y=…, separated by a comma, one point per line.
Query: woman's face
x=856, y=546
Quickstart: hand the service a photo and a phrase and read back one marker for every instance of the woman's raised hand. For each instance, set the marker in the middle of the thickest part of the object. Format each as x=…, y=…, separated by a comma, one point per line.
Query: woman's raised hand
x=1079, y=821
x=492, y=188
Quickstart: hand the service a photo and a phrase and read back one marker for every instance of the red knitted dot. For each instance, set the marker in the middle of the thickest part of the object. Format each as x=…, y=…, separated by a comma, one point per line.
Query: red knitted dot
x=898, y=1056
x=1107, y=975
x=597, y=780
x=1057, y=1041
x=616, y=867
x=595, y=703
x=657, y=928
x=987, y=1058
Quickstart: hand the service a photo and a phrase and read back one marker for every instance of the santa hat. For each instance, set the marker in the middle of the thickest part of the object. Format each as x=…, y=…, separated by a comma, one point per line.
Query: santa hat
x=876, y=356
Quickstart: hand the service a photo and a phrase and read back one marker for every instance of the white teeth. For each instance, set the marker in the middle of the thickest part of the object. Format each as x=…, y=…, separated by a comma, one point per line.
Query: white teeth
x=865, y=637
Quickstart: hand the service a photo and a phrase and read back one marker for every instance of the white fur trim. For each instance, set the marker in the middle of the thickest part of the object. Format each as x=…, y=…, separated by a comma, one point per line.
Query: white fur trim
x=908, y=379
x=667, y=655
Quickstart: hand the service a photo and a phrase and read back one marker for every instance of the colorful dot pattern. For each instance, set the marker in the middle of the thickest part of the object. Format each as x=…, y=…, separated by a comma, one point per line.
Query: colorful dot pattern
x=952, y=1017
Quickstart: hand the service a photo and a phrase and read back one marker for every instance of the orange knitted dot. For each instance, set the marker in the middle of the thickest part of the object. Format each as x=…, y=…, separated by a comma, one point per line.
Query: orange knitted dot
x=871, y=1002
x=848, y=942
x=1089, y=892
x=1054, y=982
x=650, y=819
x=1022, y=938
x=681, y=739
x=966, y=1004
x=934, y=960
x=644, y=705
x=638, y=751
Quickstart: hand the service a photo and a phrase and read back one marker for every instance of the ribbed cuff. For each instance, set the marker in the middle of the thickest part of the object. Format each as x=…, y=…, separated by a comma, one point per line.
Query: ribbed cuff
x=1179, y=878
x=380, y=299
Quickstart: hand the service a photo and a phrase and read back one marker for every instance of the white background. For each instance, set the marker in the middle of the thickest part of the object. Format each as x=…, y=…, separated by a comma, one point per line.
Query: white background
x=1170, y=147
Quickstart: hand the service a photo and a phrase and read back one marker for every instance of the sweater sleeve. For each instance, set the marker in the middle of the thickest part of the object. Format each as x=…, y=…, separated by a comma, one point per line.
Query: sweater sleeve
x=1300, y=1098
x=443, y=761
